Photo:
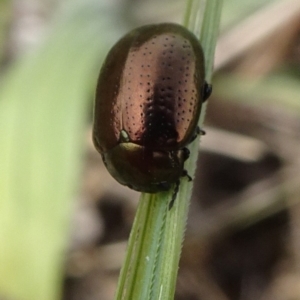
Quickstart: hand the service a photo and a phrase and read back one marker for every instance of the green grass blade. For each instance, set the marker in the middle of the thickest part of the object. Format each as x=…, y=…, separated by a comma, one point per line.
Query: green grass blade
x=151, y=265
x=43, y=108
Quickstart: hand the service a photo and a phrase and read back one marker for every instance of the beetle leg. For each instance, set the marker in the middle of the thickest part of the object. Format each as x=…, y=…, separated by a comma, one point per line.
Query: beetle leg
x=200, y=131
x=206, y=91
x=176, y=189
x=186, y=153
x=185, y=174
x=197, y=132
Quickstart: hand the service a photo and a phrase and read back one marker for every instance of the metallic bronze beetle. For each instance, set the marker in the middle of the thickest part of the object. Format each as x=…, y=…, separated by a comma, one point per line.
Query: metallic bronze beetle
x=148, y=101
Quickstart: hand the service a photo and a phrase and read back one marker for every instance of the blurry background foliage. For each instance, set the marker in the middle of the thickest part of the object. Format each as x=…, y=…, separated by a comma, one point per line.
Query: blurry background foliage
x=64, y=222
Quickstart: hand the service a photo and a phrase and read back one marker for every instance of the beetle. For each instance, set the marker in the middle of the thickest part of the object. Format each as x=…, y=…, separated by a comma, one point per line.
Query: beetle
x=148, y=101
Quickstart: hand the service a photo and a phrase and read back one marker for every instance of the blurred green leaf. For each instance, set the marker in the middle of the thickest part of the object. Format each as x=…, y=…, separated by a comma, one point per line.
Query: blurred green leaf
x=235, y=11
x=5, y=16
x=43, y=109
